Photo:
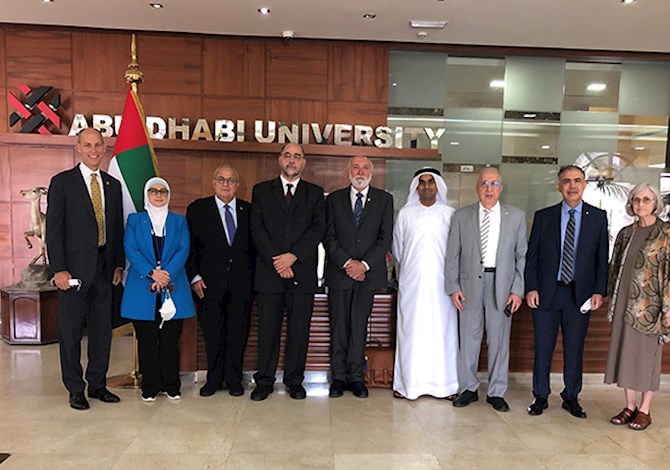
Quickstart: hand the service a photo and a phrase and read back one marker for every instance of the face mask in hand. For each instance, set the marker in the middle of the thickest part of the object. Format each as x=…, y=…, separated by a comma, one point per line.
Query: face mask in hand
x=168, y=309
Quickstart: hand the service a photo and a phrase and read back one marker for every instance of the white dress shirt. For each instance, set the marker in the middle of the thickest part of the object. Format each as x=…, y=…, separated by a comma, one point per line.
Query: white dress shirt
x=489, y=260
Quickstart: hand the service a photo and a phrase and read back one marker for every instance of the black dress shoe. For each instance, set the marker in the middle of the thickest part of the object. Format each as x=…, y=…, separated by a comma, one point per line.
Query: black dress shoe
x=573, y=407
x=538, y=406
x=337, y=388
x=78, y=401
x=208, y=390
x=498, y=403
x=235, y=390
x=465, y=398
x=358, y=389
x=103, y=395
x=261, y=392
x=297, y=392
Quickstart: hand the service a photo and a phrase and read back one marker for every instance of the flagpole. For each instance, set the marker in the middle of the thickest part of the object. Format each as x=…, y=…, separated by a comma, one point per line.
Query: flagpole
x=133, y=379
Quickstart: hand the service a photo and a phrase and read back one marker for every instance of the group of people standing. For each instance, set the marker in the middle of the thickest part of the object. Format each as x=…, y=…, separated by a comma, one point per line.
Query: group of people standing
x=460, y=273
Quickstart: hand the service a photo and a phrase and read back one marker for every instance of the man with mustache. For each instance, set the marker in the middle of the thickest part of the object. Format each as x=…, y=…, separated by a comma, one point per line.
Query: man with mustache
x=358, y=236
x=288, y=219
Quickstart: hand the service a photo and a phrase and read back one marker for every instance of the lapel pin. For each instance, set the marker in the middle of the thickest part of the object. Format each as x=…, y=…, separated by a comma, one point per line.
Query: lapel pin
x=368, y=200
x=587, y=212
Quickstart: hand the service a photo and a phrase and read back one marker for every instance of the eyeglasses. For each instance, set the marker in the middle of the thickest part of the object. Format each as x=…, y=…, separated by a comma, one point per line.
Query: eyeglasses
x=288, y=155
x=222, y=181
x=156, y=192
x=486, y=184
x=645, y=200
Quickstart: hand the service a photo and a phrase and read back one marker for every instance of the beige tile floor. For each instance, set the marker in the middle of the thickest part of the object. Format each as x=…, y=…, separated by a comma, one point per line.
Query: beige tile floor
x=40, y=431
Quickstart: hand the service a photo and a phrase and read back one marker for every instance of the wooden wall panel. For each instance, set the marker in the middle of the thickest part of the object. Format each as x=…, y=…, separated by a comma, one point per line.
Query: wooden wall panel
x=6, y=272
x=297, y=70
x=234, y=67
x=357, y=113
x=2, y=58
x=34, y=166
x=5, y=172
x=5, y=231
x=177, y=106
x=100, y=59
x=38, y=57
x=97, y=102
x=171, y=64
x=358, y=73
x=247, y=109
x=293, y=111
x=182, y=170
x=4, y=113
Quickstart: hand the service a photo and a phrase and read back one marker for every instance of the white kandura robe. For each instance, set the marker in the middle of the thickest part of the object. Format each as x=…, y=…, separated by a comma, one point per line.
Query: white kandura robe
x=427, y=328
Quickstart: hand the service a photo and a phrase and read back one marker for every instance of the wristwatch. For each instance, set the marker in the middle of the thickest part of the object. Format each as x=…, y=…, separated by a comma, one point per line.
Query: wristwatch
x=151, y=273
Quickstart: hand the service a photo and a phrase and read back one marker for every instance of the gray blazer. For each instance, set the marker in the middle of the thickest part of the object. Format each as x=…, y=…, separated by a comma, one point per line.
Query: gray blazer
x=464, y=255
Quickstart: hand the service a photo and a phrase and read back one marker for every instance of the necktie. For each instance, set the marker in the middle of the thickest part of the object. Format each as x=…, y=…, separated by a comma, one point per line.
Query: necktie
x=289, y=194
x=568, y=263
x=96, y=199
x=484, y=231
x=358, y=209
x=230, y=225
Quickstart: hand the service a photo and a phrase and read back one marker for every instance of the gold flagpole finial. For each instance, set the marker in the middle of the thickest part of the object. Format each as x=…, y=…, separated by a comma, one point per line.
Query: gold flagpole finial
x=133, y=74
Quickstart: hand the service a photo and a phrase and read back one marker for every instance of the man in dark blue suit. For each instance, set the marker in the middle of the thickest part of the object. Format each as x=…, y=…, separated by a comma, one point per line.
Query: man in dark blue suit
x=566, y=278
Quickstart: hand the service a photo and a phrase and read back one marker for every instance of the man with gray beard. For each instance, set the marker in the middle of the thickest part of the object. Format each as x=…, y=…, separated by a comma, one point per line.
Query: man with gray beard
x=358, y=236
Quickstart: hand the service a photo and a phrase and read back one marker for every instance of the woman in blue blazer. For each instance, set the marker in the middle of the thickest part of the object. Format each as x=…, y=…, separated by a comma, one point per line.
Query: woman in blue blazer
x=157, y=246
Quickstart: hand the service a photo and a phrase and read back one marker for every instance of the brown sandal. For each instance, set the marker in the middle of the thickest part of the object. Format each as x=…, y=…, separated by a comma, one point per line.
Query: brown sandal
x=626, y=416
x=398, y=395
x=451, y=397
x=641, y=421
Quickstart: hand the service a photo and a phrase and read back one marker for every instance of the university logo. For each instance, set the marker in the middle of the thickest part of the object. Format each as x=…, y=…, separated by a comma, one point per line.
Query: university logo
x=36, y=110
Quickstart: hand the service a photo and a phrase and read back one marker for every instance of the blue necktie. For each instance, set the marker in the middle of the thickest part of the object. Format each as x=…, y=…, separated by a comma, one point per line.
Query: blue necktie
x=230, y=225
x=358, y=209
x=568, y=263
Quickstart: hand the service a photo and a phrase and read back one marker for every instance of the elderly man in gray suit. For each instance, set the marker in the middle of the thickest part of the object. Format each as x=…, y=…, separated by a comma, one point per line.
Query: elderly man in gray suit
x=486, y=255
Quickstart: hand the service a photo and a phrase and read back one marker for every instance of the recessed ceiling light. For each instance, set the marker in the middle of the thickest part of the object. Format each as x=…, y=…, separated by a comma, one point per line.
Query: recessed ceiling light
x=47, y=1
x=394, y=84
x=454, y=143
x=530, y=115
x=596, y=86
x=156, y=6
x=640, y=148
x=370, y=16
x=546, y=147
x=264, y=10
x=497, y=84
x=428, y=24
x=628, y=1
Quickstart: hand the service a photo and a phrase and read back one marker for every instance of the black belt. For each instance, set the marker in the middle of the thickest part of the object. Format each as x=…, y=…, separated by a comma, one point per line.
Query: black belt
x=489, y=270
x=102, y=248
x=565, y=284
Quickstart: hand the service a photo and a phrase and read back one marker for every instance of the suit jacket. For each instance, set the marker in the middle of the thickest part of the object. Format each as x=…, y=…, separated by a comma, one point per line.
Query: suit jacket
x=138, y=302
x=72, y=232
x=368, y=242
x=220, y=264
x=544, y=254
x=277, y=228
x=464, y=255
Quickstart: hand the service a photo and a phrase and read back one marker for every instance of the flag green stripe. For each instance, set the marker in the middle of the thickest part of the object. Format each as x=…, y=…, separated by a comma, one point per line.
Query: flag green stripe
x=137, y=167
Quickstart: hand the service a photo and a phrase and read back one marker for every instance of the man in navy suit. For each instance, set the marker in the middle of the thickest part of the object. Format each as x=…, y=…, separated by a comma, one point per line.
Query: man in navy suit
x=288, y=219
x=358, y=236
x=85, y=243
x=220, y=267
x=566, y=278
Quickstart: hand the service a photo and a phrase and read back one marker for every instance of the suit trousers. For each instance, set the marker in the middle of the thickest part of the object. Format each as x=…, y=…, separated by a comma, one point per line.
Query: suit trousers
x=225, y=328
x=93, y=305
x=158, y=350
x=471, y=323
x=298, y=318
x=561, y=311
x=349, y=313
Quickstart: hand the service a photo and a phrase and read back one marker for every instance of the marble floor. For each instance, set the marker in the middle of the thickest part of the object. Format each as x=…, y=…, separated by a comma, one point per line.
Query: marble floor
x=39, y=429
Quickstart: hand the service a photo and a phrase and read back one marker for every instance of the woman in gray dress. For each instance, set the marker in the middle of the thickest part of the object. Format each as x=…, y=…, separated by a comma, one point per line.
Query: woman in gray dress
x=639, y=306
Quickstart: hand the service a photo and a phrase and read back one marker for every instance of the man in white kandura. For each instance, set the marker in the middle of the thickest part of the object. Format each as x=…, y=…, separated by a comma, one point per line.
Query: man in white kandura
x=427, y=330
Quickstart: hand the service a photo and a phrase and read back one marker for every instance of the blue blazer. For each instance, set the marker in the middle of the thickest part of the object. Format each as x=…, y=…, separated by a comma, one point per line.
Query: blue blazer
x=544, y=254
x=138, y=303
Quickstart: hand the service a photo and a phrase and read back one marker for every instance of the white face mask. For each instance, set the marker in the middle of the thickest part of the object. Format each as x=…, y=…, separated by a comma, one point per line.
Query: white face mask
x=167, y=310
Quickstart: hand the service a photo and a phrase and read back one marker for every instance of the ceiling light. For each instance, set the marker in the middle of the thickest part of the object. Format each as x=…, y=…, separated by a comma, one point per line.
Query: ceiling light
x=640, y=148
x=156, y=6
x=628, y=1
x=428, y=24
x=264, y=10
x=546, y=147
x=497, y=84
x=369, y=16
x=47, y=1
x=596, y=87
x=394, y=84
x=454, y=143
x=530, y=115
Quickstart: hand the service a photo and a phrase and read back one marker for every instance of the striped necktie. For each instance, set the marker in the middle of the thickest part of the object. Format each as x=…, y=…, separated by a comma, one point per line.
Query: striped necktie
x=568, y=262
x=358, y=209
x=484, y=231
x=96, y=199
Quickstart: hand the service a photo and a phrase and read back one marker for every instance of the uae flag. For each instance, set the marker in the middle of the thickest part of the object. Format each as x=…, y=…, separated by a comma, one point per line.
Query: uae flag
x=133, y=161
